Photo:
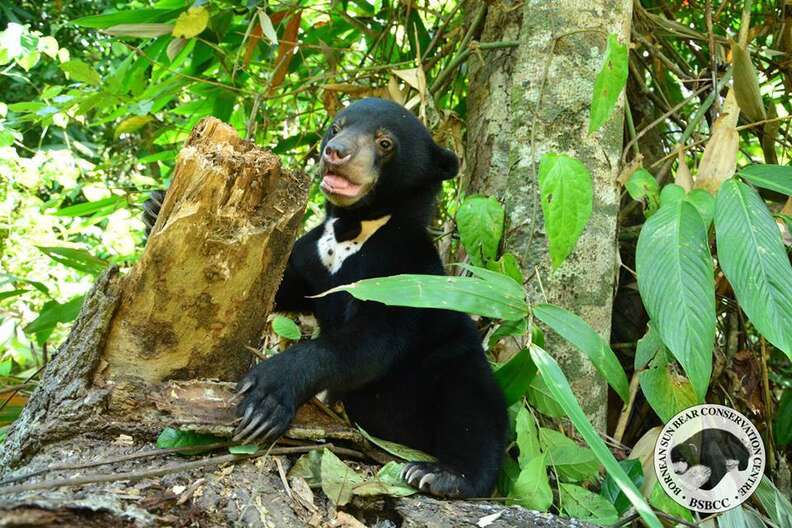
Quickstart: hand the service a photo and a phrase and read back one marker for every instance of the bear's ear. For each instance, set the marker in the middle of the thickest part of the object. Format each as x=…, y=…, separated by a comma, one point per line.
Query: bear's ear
x=447, y=163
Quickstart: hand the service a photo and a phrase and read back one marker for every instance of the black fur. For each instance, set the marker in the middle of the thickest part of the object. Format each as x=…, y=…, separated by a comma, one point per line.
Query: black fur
x=711, y=448
x=413, y=376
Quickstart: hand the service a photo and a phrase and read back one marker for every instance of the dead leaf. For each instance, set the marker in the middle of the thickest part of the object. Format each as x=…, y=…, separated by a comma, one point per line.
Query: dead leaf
x=644, y=451
x=489, y=519
x=720, y=155
x=345, y=520
x=285, y=50
x=746, y=85
x=682, y=176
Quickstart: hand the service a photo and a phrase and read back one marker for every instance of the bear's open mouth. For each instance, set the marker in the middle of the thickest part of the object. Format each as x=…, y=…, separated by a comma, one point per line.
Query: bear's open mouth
x=339, y=184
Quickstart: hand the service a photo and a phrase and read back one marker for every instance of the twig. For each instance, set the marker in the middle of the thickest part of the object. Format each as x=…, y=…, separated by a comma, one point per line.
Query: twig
x=621, y=426
x=713, y=55
x=768, y=399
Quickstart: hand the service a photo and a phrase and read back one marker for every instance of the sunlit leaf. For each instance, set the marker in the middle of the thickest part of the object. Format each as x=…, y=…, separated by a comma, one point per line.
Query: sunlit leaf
x=560, y=388
x=80, y=71
x=480, y=223
x=285, y=327
x=677, y=286
x=610, y=81
x=566, y=197
x=577, y=332
x=753, y=258
x=191, y=22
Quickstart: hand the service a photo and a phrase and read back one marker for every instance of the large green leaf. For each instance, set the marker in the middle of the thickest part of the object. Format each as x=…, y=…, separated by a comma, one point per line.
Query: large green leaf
x=285, y=327
x=87, y=208
x=566, y=195
x=51, y=314
x=676, y=282
x=610, y=491
x=582, y=336
x=78, y=259
x=527, y=436
x=480, y=223
x=515, y=376
x=752, y=256
x=774, y=177
x=532, y=487
x=572, y=462
x=580, y=503
x=464, y=294
x=559, y=386
x=80, y=71
x=136, y=16
x=609, y=83
x=667, y=392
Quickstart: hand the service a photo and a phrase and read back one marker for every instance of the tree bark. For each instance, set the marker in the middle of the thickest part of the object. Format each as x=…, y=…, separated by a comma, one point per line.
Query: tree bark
x=535, y=99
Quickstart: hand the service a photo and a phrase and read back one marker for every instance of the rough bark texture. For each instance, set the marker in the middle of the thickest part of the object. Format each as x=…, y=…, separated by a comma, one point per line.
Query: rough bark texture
x=532, y=100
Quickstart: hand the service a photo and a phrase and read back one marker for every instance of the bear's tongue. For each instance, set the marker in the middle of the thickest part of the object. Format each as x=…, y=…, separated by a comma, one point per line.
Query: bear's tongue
x=340, y=185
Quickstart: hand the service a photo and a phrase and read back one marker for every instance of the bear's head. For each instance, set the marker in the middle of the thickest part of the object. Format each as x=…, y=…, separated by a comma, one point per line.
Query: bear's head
x=377, y=154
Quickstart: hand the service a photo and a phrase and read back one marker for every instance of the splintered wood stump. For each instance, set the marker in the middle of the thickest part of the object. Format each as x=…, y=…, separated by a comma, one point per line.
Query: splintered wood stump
x=201, y=292
x=188, y=310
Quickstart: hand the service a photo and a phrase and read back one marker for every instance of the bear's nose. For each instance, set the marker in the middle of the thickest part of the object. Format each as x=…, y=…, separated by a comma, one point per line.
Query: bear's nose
x=337, y=154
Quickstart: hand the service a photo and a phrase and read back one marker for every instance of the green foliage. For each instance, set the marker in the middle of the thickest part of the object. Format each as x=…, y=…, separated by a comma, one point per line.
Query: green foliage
x=582, y=504
x=774, y=177
x=610, y=490
x=667, y=392
x=566, y=196
x=480, y=223
x=673, y=250
x=643, y=185
x=581, y=335
x=611, y=80
x=171, y=438
x=285, y=327
x=754, y=260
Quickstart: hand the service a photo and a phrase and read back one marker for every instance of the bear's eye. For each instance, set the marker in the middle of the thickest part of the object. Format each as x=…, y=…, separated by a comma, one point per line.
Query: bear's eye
x=385, y=143
x=334, y=129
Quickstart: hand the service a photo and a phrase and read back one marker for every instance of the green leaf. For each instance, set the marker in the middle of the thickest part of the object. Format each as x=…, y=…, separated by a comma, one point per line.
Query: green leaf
x=527, y=437
x=507, y=265
x=53, y=313
x=704, y=204
x=388, y=481
x=508, y=329
x=532, y=487
x=11, y=293
x=78, y=259
x=540, y=397
x=577, y=331
x=610, y=81
x=580, y=503
x=308, y=467
x=643, y=185
x=647, y=348
x=131, y=124
x=463, y=294
x=677, y=286
x=338, y=479
x=572, y=462
x=171, y=437
x=191, y=22
x=285, y=327
x=753, y=258
x=81, y=72
x=782, y=423
x=774, y=503
x=246, y=449
x=566, y=195
x=398, y=450
x=611, y=492
x=559, y=386
x=480, y=223
x=667, y=392
x=86, y=208
x=660, y=500
x=137, y=16
x=515, y=376
x=774, y=177
x=144, y=30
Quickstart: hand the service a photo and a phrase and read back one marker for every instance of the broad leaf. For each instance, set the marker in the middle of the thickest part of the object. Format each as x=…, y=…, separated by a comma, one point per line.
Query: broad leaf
x=572, y=462
x=398, y=450
x=584, y=338
x=675, y=279
x=80, y=71
x=643, y=185
x=782, y=423
x=647, y=348
x=51, y=314
x=480, y=223
x=285, y=327
x=338, y=479
x=667, y=392
x=566, y=196
x=580, y=503
x=753, y=258
x=191, y=22
x=387, y=482
x=660, y=500
x=532, y=487
x=540, y=397
x=774, y=177
x=515, y=376
x=559, y=386
x=506, y=329
x=171, y=437
x=775, y=504
x=463, y=294
x=527, y=436
x=611, y=492
x=610, y=81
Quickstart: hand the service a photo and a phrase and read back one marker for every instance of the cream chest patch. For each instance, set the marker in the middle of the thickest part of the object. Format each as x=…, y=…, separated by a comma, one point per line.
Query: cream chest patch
x=333, y=253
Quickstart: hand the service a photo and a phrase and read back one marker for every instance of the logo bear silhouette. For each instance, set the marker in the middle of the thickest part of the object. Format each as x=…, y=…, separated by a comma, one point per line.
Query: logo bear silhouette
x=707, y=456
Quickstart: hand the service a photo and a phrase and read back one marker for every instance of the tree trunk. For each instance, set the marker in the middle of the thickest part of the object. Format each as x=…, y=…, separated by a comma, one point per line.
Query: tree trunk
x=137, y=358
x=535, y=99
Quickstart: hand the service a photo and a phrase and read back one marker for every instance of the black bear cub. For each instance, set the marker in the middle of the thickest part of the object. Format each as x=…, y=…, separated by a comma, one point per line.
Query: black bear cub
x=414, y=376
